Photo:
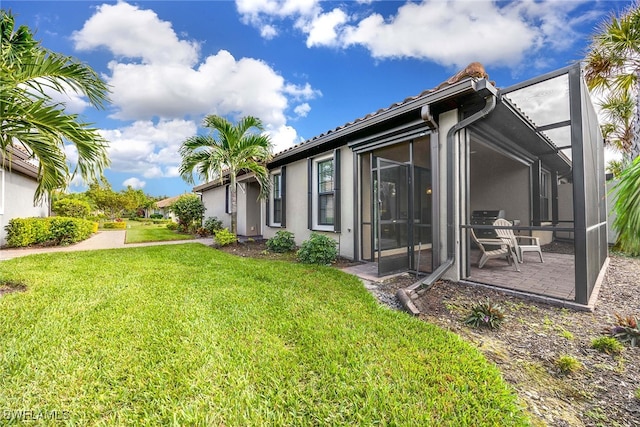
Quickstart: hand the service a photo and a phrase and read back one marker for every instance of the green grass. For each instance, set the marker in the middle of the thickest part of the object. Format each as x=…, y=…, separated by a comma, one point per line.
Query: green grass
x=138, y=232
x=187, y=335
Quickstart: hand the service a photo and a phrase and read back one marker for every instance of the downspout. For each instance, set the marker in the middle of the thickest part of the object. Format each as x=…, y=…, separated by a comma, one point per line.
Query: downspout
x=404, y=294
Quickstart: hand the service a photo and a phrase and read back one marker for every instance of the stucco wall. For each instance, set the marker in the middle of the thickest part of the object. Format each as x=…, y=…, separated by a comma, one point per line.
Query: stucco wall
x=498, y=182
x=16, y=200
x=297, y=204
x=214, y=203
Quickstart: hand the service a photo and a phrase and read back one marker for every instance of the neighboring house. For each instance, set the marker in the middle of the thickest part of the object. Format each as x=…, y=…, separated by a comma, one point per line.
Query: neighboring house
x=163, y=207
x=18, y=183
x=399, y=187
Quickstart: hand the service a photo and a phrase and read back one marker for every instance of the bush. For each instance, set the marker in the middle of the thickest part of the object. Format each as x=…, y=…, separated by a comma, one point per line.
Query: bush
x=224, y=237
x=607, y=345
x=114, y=225
x=156, y=216
x=72, y=208
x=172, y=226
x=56, y=230
x=283, y=241
x=190, y=211
x=319, y=249
x=486, y=314
x=212, y=224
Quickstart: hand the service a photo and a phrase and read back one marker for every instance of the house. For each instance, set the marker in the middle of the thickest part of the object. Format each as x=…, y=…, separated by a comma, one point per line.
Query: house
x=163, y=207
x=18, y=183
x=400, y=187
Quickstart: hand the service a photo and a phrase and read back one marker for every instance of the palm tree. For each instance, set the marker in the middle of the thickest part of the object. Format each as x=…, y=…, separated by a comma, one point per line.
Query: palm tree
x=613, y=66
x=32, y=122
x=228, y=150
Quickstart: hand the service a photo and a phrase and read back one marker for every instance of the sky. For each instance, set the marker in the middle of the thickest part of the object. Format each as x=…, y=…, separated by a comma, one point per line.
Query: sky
x=302, y=66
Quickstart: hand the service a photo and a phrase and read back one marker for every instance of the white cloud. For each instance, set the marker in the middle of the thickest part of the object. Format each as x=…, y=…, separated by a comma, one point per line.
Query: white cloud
x=449, y=32
x=302, y=110
x=146, y=85
x=147, y=148
x=282, y=137
x=130, y=32
x=134, y=182
x=322, y=29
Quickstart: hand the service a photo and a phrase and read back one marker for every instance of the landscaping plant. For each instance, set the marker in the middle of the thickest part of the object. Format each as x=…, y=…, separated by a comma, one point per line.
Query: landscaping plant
x=212, y=224
x=282, y=242
x=607, y=345
x=626, y=330
x=485, y=314
x=224, y=237
x=190, y=211
x=568, y=364
x=319, y=249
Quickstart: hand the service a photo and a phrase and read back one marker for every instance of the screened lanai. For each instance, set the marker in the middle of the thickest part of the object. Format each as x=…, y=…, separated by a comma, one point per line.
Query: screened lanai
x=537, y=160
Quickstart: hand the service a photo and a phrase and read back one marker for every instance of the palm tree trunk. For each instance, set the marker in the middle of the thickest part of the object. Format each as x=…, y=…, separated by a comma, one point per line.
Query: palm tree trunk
x=233, y=194
x=635, y=142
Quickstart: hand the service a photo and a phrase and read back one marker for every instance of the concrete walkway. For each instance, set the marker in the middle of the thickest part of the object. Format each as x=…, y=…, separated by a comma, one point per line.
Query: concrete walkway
x=101, y=240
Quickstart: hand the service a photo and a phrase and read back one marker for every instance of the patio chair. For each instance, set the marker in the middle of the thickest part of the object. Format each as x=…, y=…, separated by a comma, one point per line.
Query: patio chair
x=504, y=250
x=508, y=235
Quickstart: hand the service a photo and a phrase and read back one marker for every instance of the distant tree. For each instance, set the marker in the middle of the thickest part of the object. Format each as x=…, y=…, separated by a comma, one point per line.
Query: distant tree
x=225, y=152
x=31, y=119
x=190, y=211
x=105, y=199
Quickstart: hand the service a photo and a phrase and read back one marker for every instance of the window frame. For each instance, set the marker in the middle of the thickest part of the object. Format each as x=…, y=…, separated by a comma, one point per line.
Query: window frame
x=329, y=195
x=314, y=194
x=276, y=199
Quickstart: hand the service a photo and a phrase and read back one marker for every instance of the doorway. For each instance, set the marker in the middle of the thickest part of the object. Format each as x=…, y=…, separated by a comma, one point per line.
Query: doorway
x=396, y=213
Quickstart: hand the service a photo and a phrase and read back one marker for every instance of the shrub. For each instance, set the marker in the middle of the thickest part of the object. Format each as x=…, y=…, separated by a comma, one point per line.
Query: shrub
x=485, y=314
x=156, y=216
x=172, y=226
x=224, y=237
x=212, y=224
x=282, y=242
x=114, y=225
x=71, y=208
x=568, y=364
x=607, y=345
x=319, y=249
x=637, y=393
x=190, y=211
x=626, y=330
x=57, y=230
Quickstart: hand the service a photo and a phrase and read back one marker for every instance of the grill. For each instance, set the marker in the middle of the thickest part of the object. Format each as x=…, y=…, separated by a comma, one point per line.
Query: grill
x=486, y=218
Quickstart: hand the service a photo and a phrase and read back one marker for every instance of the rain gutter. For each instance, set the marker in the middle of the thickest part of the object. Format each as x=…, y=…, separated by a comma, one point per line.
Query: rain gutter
x=404, y=294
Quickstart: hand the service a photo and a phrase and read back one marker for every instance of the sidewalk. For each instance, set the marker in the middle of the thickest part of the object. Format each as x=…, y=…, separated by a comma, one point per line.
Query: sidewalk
x=101, y=240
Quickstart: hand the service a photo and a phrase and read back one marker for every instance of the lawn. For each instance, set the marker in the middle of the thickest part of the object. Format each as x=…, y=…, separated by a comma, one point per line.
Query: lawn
x=138, y=232
x=188, y=335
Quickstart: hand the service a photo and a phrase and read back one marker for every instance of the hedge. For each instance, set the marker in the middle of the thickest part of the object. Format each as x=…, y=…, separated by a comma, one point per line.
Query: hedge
x=116, y=225
x=53, y=231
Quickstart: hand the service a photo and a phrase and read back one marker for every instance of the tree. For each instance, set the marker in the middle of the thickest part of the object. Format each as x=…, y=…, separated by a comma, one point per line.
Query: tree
x=190, y=211
x=33, y=121
x=613, y=68
x=224, y=153
x=105, y=199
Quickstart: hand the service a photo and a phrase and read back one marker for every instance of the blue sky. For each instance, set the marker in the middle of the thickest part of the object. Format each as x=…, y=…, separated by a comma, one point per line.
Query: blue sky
x=303, y=66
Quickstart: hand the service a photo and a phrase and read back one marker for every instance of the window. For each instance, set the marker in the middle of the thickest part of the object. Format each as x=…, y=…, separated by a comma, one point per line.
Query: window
x=323, y=196
x=325, y=192
x=277, y=199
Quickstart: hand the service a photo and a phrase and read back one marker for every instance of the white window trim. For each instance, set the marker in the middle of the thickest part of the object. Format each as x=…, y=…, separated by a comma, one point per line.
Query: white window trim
x=272, y=223
x=314, y=194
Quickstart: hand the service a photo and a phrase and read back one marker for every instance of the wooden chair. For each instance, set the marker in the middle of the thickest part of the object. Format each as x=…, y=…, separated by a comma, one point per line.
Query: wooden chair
x=504, y=250
x=508, y=236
